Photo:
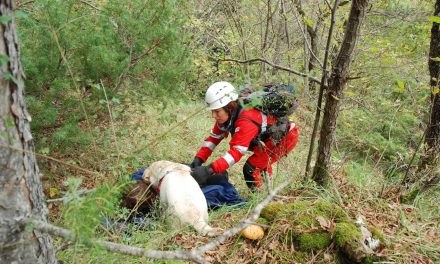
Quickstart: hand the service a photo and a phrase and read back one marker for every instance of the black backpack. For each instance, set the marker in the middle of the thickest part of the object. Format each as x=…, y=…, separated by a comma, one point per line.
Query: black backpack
x=274, y=99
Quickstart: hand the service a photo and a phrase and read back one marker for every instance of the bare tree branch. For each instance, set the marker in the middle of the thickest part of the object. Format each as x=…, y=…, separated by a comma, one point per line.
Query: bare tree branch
x=66, y=198
x=90, y=4
x=114, y=247
x=147, y=52
x=195, y=254
x=273, y=65
x=255, y=214
x=51, y=158
x=19, y=5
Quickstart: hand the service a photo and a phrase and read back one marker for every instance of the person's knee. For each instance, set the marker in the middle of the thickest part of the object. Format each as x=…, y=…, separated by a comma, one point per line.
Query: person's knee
x=248, y=171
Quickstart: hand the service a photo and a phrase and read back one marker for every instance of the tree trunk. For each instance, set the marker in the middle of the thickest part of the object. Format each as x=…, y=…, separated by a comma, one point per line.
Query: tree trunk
x=277, y=52
x=21, y=194
x=431, y=155
x=337, y=82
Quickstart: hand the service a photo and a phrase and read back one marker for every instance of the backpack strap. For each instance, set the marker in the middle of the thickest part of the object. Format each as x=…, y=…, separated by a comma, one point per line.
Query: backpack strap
x=262, y=128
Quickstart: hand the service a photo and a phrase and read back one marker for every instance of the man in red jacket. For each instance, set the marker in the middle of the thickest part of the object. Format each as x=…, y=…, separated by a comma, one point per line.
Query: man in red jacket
x=248, y=129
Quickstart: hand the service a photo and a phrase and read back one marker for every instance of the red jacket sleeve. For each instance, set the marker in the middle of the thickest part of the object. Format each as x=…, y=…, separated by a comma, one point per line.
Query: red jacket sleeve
x=217, y=135
x=245, y=131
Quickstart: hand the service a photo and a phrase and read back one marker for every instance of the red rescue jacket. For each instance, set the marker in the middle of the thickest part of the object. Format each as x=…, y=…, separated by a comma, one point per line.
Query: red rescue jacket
x=243, y=130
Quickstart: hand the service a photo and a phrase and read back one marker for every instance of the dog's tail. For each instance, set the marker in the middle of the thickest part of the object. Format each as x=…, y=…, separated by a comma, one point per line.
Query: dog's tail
x=206, y=230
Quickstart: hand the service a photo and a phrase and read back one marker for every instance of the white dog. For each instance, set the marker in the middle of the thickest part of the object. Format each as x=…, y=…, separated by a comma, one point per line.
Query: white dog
x=180, y=194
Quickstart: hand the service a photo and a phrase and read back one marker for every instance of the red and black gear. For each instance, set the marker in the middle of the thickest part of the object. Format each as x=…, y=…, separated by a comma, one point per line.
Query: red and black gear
x=245, y=131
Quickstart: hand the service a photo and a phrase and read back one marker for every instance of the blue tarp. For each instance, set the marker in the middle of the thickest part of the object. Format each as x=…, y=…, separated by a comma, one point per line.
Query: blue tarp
x=216, y=196
x=137, y=176
x=222, y=194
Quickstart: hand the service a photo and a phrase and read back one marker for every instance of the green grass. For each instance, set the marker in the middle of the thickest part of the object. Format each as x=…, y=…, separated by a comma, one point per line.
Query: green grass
x=144, y=133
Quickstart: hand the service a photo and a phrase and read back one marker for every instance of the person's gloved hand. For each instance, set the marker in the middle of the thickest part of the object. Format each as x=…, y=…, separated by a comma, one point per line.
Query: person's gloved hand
x=202, y=173
x=197, y=162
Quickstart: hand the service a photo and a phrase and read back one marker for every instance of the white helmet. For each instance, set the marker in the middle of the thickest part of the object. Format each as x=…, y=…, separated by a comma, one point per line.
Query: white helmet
x=220, y=94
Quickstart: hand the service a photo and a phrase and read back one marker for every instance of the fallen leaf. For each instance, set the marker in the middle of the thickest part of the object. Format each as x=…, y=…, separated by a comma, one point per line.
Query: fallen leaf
x=263, y=259
x=273, y=245
x=331, y=229
x=311, y=230
x=324, y=223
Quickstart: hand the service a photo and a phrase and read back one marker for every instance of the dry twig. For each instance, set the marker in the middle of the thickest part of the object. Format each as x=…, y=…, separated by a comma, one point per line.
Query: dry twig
x=274, y=66
x=194, y=255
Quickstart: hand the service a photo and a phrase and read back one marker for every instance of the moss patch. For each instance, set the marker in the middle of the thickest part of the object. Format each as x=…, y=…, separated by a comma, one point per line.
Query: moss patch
x=313, y=241
x=273, y=212
x=305, y=230
x=306, y=233
x=262, y=221
x=377, y=234
x=347, y=233
x=301, y=257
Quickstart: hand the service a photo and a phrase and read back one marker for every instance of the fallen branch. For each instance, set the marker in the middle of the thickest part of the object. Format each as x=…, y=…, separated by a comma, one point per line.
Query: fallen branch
x=194, y=255
x=19, y=5
x=90, y=4
x=50, y=158
x=250, y=220
x=66, y=198
x=273, y=65
x=115, y=247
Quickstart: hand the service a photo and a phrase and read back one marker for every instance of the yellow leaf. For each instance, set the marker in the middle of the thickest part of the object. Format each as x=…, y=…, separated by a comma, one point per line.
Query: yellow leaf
x=350, y=93
x=434, y=19
x=400, y=84
x=308, y=22
x=53, y=192
x=435, y=90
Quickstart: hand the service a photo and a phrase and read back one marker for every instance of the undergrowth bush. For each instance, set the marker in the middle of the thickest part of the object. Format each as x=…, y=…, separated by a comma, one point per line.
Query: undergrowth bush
x=377, y=137
x=69, y=48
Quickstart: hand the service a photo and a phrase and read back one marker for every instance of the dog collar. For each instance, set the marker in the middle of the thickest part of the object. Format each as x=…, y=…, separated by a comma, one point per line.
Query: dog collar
x=160, y=181
x=158, y=185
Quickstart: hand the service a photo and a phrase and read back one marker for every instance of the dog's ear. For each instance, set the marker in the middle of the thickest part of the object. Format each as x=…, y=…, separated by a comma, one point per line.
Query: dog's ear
x=146, y=177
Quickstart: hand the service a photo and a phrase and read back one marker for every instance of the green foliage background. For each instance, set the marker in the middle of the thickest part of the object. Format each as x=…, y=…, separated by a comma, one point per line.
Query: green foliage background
x=72, y=51
x=113, y=86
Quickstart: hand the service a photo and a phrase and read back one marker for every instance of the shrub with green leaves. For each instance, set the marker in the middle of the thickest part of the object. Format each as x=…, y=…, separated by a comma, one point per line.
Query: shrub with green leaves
x=69, y=48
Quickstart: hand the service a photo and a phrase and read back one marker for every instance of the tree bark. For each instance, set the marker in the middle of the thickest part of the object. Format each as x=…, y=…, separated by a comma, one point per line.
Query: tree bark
x=337, y=83
x=322, y=88
x=314, y=37
x=21, y=194
x=431, y=155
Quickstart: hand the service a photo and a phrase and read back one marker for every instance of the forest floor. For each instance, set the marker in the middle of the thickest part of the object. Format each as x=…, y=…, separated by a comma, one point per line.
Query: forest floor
x=144, y=134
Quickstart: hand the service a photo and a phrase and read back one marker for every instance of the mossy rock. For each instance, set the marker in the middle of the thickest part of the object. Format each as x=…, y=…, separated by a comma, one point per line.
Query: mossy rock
x=313, y=241
x=273, y=211
x=307, y=241
x=348, y=238
x=347, y=233
x=306, y=233
x=377, y=234
x=307, y=211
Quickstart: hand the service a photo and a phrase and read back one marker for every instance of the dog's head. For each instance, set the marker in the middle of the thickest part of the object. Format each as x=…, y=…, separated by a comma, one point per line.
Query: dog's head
x=157, y=170
x=140, y=196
